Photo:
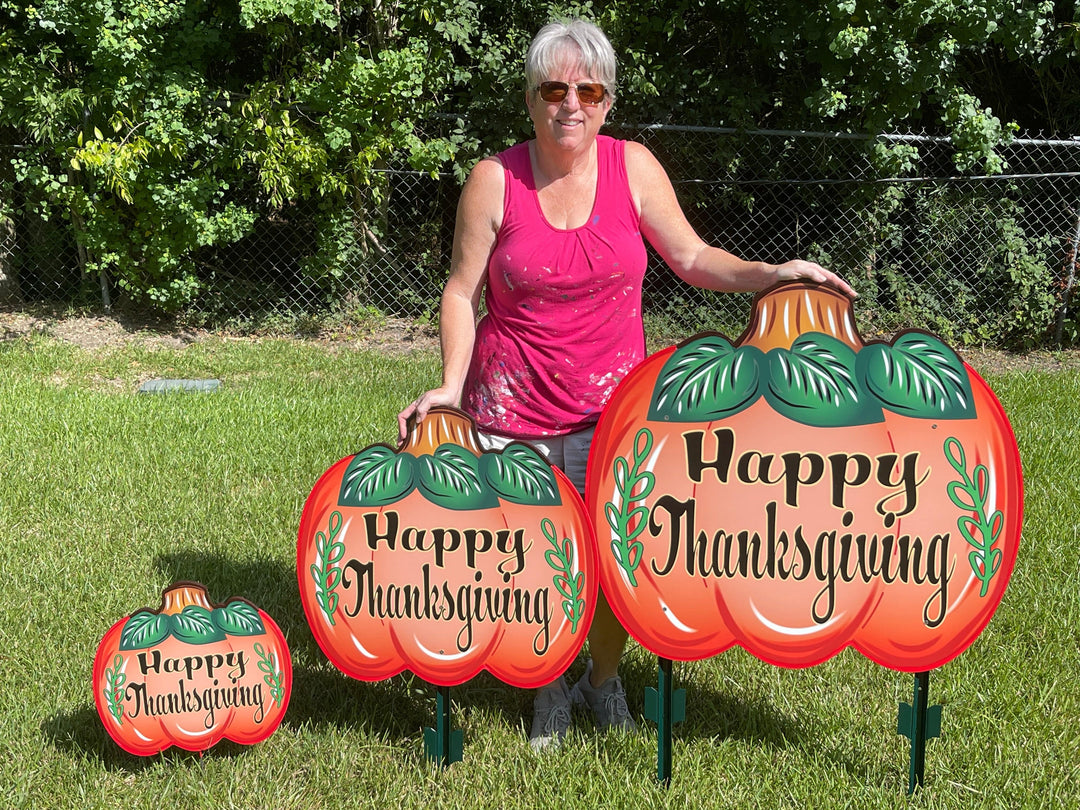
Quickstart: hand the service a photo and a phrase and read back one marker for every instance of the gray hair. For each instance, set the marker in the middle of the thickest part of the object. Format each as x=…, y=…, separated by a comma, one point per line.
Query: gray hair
x=576, y=38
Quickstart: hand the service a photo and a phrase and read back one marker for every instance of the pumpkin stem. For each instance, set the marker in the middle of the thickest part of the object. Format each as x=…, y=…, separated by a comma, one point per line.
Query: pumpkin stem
x=181, y=594
x=441, y=426
x=783, y=313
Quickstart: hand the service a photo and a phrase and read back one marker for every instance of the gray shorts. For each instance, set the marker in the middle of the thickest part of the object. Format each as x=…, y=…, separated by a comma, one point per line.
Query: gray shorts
x=570, y=453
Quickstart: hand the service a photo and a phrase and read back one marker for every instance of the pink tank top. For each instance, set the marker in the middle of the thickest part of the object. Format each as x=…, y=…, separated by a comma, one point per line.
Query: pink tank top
x=563, y=323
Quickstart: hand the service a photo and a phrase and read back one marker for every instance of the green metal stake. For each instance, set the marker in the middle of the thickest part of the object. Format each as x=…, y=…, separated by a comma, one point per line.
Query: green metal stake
x=919, y=722
x=664, y=706
x=442, y=744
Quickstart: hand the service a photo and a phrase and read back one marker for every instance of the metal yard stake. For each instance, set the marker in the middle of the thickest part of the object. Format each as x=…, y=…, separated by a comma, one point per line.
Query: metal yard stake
x=664, y=706
x=442, y=744
x=919, y=722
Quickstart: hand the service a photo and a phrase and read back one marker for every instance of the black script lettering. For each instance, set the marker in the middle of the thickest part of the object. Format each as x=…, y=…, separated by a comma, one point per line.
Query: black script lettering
x=938, y=560
x=467, y=604
x=371, y=527
x=440, y=542
x=907, y=483
x=509, y=543
x=477, y=541
x=793, y=468
x=695, y=462
x=512, y=544
x=825, y=571
x=840, y=464
x=785, y=554
x=797, y=470
x=682, y=522
x=886, y=557
x=725, y=555
x=444, y=540
x=189, y=665
x=182, y=699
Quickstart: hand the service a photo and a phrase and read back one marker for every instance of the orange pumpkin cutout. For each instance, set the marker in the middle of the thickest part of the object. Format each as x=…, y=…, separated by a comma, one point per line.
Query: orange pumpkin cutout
x=799, y=491
x=443, y=559
x=191, y=674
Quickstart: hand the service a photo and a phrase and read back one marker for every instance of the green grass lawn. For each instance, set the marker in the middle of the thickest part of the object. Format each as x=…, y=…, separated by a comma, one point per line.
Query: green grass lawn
x=110, y=495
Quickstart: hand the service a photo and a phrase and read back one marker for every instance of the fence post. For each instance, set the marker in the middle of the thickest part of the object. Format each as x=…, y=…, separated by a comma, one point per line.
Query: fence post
x=1069, y=281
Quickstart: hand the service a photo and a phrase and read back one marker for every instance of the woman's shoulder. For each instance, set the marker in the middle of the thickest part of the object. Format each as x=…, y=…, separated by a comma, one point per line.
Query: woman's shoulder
x=642, y=167
x=611, y=142
x=488, y=171
x=482, y=195
x=638, y=152
x=487, y=167
x=645, y=175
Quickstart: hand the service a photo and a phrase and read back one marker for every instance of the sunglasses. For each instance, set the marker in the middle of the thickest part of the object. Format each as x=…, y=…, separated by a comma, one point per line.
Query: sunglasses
x=589, y=93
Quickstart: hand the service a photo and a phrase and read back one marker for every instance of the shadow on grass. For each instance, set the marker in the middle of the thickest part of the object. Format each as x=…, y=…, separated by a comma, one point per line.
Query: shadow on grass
x=716, y=715
x=81, y=734
x=711, y=712
x=394, y=709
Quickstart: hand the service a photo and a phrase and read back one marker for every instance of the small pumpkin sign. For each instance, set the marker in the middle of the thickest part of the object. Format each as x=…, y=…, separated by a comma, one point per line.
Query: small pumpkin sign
x=800, y=491
x=192, y=673
x=443, y=559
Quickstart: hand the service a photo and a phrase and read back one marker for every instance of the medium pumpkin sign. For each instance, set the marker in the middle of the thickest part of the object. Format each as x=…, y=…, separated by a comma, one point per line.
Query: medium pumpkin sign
x=443, y=559
x=799, y=491
x=191, y=674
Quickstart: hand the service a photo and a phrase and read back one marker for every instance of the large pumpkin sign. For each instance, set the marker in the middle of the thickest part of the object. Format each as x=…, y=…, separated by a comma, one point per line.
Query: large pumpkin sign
x=799, y=491
x=444, y=560
x=191, y=674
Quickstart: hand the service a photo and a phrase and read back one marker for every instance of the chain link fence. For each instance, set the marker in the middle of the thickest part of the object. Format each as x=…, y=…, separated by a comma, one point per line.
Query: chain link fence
x=975, y=259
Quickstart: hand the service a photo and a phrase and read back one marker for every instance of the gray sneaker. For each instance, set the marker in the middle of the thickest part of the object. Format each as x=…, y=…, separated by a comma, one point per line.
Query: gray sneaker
x=607, y=701
x=551, y=716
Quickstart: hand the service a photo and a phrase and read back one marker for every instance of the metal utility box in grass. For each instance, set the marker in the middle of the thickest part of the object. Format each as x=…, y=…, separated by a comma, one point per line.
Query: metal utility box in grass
x=179, y=386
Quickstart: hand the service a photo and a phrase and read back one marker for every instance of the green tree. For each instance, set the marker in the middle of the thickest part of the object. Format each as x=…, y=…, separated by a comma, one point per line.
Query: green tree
x=955, y=67
x=162, y=128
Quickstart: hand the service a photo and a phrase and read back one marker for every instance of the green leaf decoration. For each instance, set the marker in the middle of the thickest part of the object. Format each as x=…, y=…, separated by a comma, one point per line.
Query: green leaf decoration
x=519, y=474
x=707, y=379
x=634, y=485
x=377, y=476
x=328, y=552
x=972, y=493
x=144, y=629
x=918, y=376
x=238, y=619
x=450, y=477
x=814, y=383
x=114, y=689
x=820, y=381
x=268, y=665
x=560, y=559
x=194, y=625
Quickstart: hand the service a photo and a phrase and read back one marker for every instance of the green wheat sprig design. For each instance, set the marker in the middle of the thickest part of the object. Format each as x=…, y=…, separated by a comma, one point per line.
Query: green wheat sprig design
x=633, y=485
x=271, y=675
x=328, y=551
x=114, y=689
x=981, y=532
x=560, y=558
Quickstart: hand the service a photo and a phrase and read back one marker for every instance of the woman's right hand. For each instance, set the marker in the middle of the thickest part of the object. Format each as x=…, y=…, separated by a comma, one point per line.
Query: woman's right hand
x=418, y=409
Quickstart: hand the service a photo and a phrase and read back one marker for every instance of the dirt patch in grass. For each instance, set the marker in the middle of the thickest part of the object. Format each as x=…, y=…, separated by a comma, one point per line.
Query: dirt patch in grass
x=389, y=335
x=95, y=332
x=102, y=332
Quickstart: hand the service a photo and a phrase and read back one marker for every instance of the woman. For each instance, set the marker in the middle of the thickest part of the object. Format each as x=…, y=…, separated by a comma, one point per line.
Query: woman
x=553, y=228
